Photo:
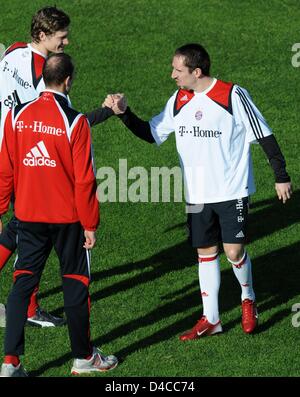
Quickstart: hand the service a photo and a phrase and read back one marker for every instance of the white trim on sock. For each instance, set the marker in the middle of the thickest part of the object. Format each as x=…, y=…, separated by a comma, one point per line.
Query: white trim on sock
x=239, y=262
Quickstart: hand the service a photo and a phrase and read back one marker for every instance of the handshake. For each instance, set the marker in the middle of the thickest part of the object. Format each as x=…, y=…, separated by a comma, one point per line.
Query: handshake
x=116, y=102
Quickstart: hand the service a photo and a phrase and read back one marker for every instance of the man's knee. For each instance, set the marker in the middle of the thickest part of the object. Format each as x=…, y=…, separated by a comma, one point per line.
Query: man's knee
x=75, y=289
x=24, y=283
x=213, y=250
x=234, y=254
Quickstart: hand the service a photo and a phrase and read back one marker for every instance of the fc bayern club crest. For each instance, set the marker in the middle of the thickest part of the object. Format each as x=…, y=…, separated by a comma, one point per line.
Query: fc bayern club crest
x=198, y=115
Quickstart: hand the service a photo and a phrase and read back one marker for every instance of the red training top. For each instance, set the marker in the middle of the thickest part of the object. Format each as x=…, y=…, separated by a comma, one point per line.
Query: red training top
x=46, y=159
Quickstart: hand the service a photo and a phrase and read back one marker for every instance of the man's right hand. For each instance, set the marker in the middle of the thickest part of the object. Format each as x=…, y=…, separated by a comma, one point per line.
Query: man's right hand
x=90, y=239
x=117, y=102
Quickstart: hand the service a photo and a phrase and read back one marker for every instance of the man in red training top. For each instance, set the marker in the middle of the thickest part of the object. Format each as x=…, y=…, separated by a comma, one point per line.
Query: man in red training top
x=46, y=160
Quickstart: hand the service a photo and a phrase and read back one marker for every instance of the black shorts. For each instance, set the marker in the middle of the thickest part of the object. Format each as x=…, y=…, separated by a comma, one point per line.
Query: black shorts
x=210, y=223
x=35, y=241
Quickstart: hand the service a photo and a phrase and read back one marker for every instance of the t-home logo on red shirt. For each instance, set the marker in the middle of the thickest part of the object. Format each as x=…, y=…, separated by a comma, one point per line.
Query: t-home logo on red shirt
x=39, y=127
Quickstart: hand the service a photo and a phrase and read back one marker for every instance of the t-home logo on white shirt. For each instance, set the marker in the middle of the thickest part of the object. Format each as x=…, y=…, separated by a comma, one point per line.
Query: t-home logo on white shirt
x=195, y=131
x=15, y=75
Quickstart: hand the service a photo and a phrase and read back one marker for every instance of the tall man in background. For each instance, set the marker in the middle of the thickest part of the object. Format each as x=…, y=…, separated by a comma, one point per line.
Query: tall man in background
x=21, y=81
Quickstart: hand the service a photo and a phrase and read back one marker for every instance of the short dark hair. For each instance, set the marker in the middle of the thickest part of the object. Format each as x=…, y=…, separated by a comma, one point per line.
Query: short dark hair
x=57, y=68
x=48, y=20
x=195, y=56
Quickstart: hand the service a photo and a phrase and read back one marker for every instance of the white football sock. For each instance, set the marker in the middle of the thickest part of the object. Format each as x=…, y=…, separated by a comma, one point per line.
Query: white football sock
x=209, y=280
x=243, y=272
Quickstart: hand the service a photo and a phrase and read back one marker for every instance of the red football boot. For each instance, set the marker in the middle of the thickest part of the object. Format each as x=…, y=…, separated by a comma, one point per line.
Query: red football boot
x=202, y=328
x=249, y=316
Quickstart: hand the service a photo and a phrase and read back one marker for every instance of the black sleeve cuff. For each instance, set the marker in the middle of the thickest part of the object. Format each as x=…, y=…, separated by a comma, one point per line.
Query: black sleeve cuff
x=99, y=115
x=137, y=126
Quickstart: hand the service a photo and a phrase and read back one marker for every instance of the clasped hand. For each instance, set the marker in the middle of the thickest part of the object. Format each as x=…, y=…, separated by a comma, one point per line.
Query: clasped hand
x=117, y=102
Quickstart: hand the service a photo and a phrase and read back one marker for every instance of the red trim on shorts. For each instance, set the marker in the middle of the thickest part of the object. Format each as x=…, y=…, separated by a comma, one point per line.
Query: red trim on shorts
x=18, y=273
x=85, y=280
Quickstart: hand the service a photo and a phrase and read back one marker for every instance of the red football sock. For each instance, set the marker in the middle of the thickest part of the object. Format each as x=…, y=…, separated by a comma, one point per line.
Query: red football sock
x=14, y=360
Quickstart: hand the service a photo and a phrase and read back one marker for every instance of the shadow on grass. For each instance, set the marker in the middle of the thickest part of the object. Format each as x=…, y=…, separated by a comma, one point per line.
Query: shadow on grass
x=156, y=266
x=269, y=282
x=275, y=275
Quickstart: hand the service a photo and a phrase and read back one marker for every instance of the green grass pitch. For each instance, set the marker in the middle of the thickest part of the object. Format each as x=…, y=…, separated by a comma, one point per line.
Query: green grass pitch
x=145, y=283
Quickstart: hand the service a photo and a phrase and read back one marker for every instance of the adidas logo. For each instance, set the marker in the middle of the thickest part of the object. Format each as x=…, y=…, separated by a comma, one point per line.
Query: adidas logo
x=184, y=98
x=240, y=234
x=38, y=157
